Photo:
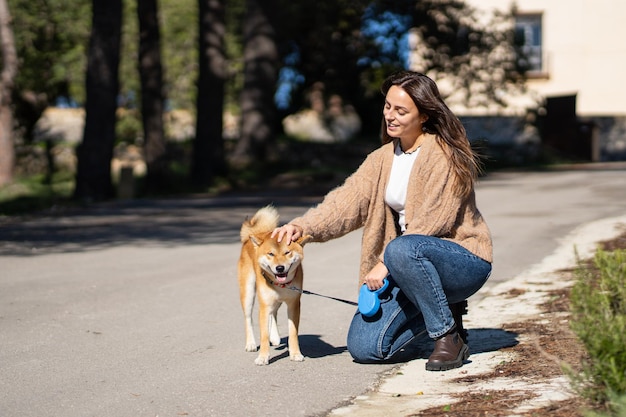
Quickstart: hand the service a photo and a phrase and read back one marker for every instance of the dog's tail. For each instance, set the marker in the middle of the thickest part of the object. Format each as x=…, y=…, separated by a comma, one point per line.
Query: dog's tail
x=265, y=220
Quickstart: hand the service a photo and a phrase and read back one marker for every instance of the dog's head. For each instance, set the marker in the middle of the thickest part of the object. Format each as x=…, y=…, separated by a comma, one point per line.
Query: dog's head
x=279, y=260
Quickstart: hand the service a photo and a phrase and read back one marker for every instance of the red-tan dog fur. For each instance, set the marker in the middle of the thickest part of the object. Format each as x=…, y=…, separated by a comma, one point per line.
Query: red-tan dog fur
x=268, y=269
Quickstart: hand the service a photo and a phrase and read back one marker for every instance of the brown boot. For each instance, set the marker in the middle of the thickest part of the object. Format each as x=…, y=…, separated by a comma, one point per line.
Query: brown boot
x=458, y=311
x=449, y=353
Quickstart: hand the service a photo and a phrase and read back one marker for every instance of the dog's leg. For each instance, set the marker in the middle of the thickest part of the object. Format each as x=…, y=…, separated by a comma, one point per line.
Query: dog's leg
x=293, y=314
x=247, y=290
x=274, y=335
x=265, y=318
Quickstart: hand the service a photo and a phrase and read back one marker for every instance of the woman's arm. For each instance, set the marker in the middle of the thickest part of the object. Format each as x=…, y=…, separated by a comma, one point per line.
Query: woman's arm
x=345, y=208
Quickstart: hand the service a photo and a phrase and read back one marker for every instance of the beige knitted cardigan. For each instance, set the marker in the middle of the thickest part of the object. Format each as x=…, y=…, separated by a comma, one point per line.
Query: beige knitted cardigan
x=432, y=207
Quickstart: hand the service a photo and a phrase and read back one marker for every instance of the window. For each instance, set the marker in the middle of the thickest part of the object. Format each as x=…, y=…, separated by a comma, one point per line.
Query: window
x=528, y=34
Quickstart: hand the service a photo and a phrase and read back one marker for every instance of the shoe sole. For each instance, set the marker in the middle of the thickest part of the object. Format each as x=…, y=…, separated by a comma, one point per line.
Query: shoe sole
x=445, y=366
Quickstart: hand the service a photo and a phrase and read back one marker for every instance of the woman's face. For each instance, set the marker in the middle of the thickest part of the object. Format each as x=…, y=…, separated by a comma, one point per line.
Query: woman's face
x=402, y=117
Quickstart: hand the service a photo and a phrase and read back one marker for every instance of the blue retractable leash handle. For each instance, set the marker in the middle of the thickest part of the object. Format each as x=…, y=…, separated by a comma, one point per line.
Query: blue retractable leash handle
x=369, y=302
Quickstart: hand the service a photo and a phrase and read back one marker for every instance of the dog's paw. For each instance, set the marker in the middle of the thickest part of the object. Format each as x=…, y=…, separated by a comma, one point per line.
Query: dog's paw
x=262, y=360
x=251, y=347
x=297, y=357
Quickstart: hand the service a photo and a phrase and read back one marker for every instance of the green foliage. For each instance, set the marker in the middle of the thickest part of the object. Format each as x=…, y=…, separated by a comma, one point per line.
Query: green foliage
x=476, y=59
x=51, y=38
x=233, y=39
x=128, y=127
x=178, y=30
x=36, y=193
x=129, y=56
x=598, y=302
x=179, y=39
x=617, y=408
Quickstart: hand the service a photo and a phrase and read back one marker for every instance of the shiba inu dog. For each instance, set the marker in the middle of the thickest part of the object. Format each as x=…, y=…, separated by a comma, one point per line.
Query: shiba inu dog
x=269, y=270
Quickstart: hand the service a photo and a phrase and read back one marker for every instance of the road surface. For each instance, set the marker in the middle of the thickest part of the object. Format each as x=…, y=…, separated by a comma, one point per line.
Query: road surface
x=131, y=308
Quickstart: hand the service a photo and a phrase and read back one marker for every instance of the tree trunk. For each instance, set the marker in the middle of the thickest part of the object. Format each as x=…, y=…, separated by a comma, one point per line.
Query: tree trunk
x=93, y=177
x=208, y=146
x=261, y=62
x=151, y=75
x=7, y=78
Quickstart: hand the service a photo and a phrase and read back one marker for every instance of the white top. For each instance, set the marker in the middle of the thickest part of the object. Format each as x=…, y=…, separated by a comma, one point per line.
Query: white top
x=395, y=195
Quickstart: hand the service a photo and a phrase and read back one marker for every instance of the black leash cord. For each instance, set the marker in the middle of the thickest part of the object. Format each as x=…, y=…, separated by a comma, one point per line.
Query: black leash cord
x=352, y=303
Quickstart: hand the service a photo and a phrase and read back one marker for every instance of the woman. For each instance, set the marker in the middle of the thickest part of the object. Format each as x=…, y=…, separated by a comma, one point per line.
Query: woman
x=414, y=197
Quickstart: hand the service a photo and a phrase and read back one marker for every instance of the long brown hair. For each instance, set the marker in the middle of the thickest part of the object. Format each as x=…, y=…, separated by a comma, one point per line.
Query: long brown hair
x=441, y=122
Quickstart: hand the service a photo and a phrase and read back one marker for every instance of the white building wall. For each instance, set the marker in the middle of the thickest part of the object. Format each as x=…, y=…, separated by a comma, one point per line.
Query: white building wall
x=583, y=49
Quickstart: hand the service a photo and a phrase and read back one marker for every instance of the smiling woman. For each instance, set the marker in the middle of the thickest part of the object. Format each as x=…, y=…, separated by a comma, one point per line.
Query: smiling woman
x=414, y=197
x=404, y=120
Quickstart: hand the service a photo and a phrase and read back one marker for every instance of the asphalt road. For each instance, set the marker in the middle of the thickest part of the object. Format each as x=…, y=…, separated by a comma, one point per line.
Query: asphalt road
x=131, y=308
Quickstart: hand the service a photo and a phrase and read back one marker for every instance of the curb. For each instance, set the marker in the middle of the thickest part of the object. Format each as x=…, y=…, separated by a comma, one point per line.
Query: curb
x=410, y=388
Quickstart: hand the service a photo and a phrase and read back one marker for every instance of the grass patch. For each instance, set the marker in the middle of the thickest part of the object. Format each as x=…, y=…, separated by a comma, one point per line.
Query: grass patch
x=35, y=192
x=598, y=302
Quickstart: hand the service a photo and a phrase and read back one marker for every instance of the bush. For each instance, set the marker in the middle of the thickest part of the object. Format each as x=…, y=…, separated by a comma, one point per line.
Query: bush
x=598, y=303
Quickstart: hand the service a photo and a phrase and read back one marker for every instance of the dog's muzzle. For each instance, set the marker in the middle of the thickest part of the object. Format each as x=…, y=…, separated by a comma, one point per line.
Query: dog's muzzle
x=281, y=274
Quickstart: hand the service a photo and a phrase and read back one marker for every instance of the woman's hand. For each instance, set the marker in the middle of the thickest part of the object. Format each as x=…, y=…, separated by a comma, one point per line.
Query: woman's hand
x=374, y=278
x=288, y=231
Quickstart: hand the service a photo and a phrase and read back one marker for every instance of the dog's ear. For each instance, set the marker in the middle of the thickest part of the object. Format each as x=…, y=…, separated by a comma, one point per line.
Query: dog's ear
x=303, y=240
x=256, y=240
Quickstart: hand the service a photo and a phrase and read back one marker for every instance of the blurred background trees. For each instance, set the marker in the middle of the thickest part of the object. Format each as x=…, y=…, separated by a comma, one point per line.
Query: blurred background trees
x=236, y=67
x=208, y=151
x=94, y=154
x=7, y=80
x=152, y=98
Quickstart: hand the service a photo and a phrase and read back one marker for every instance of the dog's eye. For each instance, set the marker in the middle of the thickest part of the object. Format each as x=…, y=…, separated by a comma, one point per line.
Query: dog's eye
x=288, y=252
x=270, y=254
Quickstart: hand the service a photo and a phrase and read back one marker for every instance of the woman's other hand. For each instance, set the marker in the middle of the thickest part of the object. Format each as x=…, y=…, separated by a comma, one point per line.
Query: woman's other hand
x=374, y=278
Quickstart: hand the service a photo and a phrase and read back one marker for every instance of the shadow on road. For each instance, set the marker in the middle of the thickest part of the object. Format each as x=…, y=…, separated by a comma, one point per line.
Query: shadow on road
x=312, y=346
x=191, y=221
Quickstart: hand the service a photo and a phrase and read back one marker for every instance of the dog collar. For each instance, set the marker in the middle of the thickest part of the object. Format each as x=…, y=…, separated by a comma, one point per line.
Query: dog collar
x=276, y=284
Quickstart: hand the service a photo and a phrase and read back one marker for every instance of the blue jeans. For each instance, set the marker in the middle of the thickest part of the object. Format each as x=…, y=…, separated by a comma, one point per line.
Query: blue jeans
x=425, y=273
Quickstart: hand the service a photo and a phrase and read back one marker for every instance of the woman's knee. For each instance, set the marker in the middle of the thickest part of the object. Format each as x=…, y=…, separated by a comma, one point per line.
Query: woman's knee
x=404, y=250
x=362, y=344
x=397, y=251
x=363, y=352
